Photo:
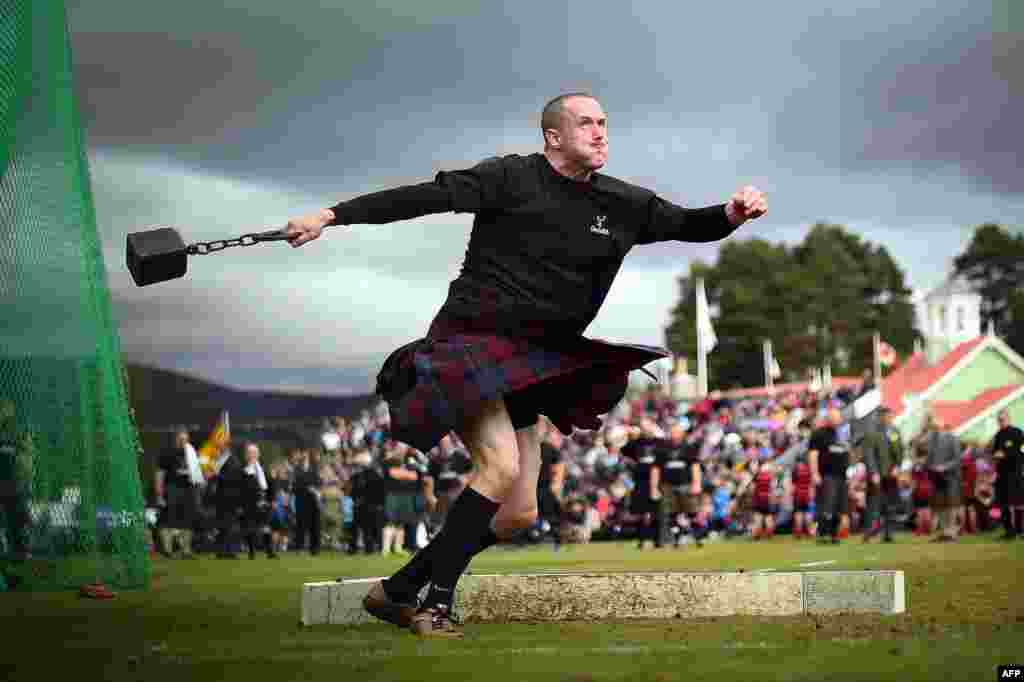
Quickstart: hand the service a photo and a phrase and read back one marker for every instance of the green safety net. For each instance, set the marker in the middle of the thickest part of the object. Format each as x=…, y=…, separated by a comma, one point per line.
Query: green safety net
x=71, y=506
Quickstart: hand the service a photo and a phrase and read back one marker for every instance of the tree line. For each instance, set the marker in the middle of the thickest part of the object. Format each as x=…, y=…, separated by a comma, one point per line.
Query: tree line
x=822, y=300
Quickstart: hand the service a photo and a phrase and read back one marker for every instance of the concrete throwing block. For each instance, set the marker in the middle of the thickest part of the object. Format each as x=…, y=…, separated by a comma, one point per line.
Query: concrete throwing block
x=596, y=596
x=494, y=598
x=854, y=592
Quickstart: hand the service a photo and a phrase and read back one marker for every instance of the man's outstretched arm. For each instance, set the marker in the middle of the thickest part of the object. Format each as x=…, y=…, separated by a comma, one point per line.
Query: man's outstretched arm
x=667, y=221
x=466, y=191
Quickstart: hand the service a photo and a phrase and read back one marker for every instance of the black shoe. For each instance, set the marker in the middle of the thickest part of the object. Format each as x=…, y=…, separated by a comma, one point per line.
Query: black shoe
x=887, y=538
x=272, y=555
x=226, y=555
x=379, y=605
x=1007, y=537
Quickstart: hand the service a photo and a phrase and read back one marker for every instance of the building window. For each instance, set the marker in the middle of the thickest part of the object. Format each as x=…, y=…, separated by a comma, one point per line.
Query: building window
x=959, y=319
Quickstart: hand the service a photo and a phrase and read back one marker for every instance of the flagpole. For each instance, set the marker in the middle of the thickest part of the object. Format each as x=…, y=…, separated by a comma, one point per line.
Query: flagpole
x=702, y=351
x=876, y=342
x=702, y=366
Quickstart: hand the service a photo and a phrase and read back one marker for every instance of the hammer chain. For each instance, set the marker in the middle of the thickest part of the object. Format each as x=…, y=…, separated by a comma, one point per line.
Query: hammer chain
x=203, y=248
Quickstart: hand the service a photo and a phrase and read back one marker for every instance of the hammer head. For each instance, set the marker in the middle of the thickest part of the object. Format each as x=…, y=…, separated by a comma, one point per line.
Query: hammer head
x=156, y=256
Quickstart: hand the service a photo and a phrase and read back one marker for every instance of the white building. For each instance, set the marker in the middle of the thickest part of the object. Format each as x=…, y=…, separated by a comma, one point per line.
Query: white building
x=947, y=316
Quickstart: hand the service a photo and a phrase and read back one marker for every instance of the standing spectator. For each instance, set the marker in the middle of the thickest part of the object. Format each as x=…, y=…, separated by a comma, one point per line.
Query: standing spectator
x=1008, y=453
x=402, y=482
x=280, y=508
x=879, y=465
x=944, y=465
x=681, y=484
x=366, y=486
x=645, y=452
x=722, y=506
x=256, y=502
x=551, y=479
x=764, y=512
x=228, y=499
x=829, y=460
x=306, y=489
x=803, y=494
x=177, y=491
x=446, y=477
x=414, y=459
x=922, y=492
x=968, y=481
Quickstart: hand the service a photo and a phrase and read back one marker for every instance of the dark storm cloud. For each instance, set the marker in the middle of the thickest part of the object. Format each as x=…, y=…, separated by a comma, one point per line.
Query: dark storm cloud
x=946, y=107
x=912, y=88
x=154, y=89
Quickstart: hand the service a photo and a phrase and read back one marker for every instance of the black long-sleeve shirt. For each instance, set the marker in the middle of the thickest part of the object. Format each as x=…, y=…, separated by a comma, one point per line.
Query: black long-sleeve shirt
x=545, y=247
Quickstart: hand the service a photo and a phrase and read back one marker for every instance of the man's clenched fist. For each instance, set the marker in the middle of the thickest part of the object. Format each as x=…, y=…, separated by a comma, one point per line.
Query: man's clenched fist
x=308, y=228
x=746, y=204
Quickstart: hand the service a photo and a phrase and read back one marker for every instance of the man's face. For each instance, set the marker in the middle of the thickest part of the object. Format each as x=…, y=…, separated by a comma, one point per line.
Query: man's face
x=252, y=454
x=1004, y=420
x=584, y=133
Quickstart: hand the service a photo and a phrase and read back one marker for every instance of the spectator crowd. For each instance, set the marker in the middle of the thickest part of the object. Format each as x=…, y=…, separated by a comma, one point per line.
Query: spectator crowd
x=660, y=473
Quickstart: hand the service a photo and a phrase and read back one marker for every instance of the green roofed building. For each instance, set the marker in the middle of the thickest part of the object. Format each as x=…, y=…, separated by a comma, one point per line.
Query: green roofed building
x=958, y=374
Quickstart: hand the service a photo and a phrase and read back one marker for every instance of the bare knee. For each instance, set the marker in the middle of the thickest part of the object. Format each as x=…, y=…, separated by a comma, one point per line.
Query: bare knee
x=498, y=470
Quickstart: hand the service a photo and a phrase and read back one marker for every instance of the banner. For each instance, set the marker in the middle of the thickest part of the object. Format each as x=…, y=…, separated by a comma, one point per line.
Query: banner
x=213, y=446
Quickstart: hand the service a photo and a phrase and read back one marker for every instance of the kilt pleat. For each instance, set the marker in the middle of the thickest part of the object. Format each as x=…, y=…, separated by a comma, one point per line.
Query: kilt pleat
x=434, y=383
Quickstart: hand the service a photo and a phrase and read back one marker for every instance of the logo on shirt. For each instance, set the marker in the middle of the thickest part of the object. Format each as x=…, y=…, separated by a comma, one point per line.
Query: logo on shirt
x=598, y=226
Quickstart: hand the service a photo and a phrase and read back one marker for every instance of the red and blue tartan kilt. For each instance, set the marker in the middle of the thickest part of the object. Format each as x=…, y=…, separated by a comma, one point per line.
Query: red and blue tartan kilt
x=432, y=384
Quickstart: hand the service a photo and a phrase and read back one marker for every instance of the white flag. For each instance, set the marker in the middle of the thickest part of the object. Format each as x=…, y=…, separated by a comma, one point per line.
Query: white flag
x=706, y=339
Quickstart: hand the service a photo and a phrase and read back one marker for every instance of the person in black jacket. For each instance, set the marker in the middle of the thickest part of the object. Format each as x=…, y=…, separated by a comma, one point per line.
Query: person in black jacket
x=367, y=488
x=645, y=453
x=1008, y=454
x=306, y=489
x=229, y=500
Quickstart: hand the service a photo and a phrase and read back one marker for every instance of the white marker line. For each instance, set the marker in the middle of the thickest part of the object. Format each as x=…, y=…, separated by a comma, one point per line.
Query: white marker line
x=818, y=563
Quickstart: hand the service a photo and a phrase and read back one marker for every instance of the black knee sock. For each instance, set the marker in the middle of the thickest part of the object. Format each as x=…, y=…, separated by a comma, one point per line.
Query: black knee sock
x=405, y=585
x=267, y=544
x=467, y=530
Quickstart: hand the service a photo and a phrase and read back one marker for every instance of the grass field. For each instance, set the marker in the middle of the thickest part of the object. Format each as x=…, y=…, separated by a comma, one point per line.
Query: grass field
x=217, y=620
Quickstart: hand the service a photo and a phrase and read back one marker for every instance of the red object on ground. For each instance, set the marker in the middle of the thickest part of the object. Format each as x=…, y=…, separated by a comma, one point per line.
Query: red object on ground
x=96, y=591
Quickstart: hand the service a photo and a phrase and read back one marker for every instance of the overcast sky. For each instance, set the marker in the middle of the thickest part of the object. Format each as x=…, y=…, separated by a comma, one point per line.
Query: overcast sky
x=899, y=120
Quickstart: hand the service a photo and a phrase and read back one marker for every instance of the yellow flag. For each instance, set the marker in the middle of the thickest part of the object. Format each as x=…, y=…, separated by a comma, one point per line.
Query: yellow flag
x=213, y=446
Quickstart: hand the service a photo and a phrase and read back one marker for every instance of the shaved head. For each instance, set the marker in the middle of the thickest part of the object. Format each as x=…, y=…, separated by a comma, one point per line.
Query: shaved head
x=551, y=117
x=575, y=130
